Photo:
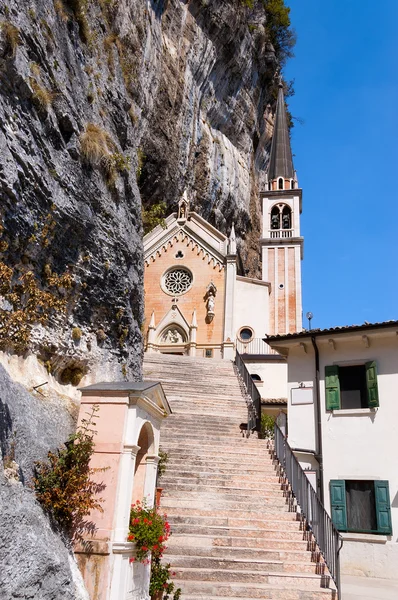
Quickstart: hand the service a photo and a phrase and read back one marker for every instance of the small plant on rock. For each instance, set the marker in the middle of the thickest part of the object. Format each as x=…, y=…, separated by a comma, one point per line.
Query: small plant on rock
x=76, y=334
x=11, y=37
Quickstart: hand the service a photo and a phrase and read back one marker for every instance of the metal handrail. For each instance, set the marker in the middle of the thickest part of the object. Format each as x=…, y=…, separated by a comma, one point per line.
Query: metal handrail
x=254, y=398
x=327, y=538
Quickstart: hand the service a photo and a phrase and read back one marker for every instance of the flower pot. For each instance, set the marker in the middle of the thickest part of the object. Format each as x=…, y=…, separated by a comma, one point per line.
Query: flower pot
x=159, y=491
x=157, y=595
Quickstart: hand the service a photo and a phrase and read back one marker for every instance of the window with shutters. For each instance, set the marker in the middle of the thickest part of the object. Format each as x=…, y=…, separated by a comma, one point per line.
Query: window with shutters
x=351, y=387
x=361, y=506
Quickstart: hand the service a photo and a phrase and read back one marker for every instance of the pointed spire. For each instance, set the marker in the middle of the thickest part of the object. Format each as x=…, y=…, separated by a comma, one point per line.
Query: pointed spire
x=194, y=322
x=232, y=241
x=152, y=321
x=281, y=161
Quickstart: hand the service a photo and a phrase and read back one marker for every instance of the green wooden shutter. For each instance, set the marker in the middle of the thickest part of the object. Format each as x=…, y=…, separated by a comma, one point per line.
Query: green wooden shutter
x=383, y=509
x=332, y=387
x=338, y=504
x=371, y=384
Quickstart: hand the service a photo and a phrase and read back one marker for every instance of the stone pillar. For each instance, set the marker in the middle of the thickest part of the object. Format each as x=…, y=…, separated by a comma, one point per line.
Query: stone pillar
x=192, y=336
x=229, y=327
x=124, y=492
x=150, y=479
x=151, y=335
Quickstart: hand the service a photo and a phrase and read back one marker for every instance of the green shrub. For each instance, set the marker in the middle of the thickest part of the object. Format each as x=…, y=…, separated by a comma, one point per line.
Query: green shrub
x=153, y=216
x=63, y=484
x=164, y=459
x=278, y=25
x=267, y=426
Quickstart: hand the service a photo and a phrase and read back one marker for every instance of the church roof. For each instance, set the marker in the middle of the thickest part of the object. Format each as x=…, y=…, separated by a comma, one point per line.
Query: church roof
x=270, y=339
x=281, y=161
x=195, y=231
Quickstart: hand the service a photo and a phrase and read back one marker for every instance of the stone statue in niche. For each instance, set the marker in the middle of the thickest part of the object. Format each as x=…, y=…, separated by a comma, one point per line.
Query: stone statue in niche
x=172, y=336
x=183, y=206
x=210, y=299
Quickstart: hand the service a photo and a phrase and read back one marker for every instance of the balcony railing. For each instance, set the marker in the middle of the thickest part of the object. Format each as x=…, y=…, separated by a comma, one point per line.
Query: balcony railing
x=254, y=346
x=253, y=398
x=281, y=233
x=315, y=519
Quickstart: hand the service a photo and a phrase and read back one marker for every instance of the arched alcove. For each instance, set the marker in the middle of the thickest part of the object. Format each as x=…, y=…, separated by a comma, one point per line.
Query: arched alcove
x=173, y=334
x=275, y=218
x=146, y=444
x=280, y=183
x=286, y=218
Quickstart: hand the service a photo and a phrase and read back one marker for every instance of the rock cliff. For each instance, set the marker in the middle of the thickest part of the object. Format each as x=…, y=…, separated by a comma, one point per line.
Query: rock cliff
x=97, y=97
x=35, y=562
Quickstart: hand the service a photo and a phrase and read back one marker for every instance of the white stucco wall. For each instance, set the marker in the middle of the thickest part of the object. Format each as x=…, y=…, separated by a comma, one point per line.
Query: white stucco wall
x=359, y=444
x=273, y=375
x=251, y=306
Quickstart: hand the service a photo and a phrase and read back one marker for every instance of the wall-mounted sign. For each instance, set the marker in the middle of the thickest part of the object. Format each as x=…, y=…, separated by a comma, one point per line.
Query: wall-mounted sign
x=302, y=395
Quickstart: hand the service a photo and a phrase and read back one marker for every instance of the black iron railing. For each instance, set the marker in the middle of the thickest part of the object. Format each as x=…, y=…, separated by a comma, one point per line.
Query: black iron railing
x=315, y=518
x=253, y=396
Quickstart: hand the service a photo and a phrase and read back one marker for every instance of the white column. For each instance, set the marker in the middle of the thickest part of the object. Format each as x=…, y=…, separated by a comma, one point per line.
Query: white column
x=125, y=492
x=151, y=334
x=150, y=479
x=230, y=279
x=192, y=335
x=121, y=581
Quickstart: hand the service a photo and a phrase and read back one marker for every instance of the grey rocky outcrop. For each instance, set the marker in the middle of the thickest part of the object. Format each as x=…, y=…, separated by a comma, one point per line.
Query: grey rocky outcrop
x=35, y=562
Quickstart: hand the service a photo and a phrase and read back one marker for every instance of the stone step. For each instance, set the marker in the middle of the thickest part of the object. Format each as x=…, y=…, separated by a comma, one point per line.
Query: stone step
x=217, y=521
x=266, y=512
x=206, y=541
x=175, y=464
x=246, y=532
x=200, y=590
x=220, y=451
x=302, y=580
x=216, y=500
x=264, y=491
x=210, y=439
x=225, y=552
x=175, y=477
x=217, y=504
x=256, y=564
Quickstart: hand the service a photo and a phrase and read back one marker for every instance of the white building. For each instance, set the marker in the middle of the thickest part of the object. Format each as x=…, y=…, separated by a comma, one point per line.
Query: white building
x=343, y=427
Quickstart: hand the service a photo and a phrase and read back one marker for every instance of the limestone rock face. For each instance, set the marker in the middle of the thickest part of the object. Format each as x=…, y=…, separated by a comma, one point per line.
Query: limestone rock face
x=35, y=561
x=95, y=98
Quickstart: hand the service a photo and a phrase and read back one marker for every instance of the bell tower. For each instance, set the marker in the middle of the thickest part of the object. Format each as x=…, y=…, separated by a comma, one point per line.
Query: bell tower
x=281, y=243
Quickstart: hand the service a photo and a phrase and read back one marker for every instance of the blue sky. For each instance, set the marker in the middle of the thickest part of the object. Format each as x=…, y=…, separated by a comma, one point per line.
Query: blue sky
x=346, y=84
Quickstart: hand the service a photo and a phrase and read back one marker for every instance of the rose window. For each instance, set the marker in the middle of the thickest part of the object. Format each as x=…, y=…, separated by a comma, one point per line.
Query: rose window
x=177, y=281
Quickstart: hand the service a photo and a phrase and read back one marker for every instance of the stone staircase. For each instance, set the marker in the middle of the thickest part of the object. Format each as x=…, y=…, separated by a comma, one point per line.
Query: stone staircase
x=234, y=532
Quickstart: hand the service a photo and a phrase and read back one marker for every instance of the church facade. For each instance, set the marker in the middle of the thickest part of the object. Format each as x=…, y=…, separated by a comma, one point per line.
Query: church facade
x=196, y=303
